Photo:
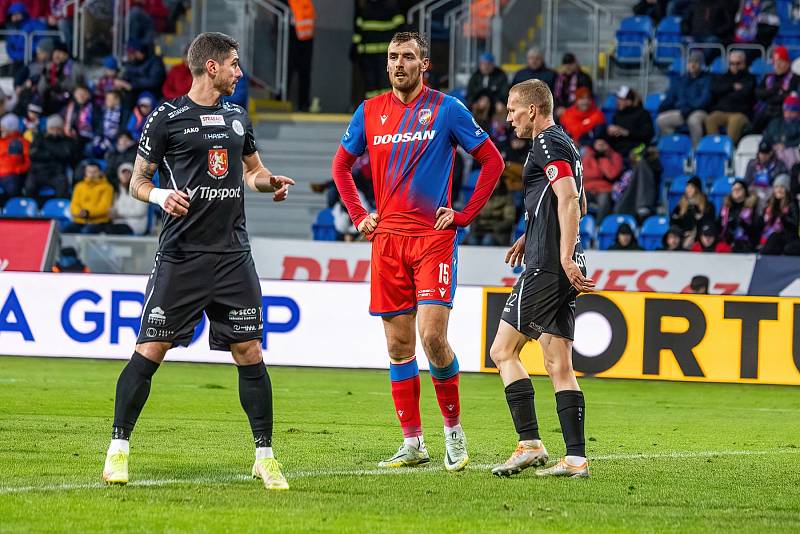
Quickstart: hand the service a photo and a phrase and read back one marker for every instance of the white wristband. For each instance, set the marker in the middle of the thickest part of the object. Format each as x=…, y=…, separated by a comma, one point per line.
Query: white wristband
x=159, y=196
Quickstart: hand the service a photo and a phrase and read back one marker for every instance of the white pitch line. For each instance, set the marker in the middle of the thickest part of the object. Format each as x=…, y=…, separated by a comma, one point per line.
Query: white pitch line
x=225, y=479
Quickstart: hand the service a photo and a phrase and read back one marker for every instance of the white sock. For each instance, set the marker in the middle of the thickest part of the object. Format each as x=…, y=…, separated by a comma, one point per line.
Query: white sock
x=417, y=442
x=264, y=452
x=450, y=429
x=575, y=460
x=119, y=445
x=532, y=443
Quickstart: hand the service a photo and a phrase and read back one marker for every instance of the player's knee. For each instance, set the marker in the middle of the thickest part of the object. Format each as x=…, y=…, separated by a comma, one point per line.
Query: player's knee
x=248, y=354
x=558, y=368
x=500, y=354
x=400, y=349
x=435, y=345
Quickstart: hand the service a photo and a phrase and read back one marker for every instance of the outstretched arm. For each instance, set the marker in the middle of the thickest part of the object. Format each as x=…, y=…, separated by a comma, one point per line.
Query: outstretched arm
x=258, y=178
x=176, y=203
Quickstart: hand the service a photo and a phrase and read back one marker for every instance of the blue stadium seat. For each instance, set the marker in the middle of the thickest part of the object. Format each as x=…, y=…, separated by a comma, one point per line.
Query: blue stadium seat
x=788, y=34
x=323, y=229
x=711, y=156
x=784, y=8
x=652, y=102
x=609, y=107
x=520, y=228
x=718, y=66
x=668, y=40
x=653, y=230
x=760, y=68
x=674, y=150
x=676, y=69
x=587, y=230
x=675, y=192
x=21, y=207
x=720, y=188
x=58, y=209
x=608, y=229
x=632, y=38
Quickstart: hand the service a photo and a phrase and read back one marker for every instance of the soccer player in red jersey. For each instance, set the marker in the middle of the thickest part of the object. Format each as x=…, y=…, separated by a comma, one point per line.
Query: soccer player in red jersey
x=411, y=133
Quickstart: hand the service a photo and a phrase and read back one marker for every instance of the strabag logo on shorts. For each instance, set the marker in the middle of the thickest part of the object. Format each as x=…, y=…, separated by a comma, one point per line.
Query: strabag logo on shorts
x=218, y=163
x=212, y=120
x=157, y=317
x=244, y=314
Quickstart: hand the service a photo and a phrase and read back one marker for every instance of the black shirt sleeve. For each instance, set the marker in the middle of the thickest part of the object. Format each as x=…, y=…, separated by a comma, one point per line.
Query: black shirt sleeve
x=155, y=137
x=249, y=137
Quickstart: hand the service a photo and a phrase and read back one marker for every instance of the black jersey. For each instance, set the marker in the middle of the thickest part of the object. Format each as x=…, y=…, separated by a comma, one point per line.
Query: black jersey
x=199, y=150
x=552, y=157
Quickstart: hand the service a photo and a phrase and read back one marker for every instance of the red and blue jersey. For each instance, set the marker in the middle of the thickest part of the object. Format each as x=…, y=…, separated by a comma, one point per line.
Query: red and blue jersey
x=412, y=150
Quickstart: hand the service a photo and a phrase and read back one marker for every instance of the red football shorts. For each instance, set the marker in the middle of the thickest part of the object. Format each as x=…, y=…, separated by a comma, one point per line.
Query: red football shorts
x=410, y=270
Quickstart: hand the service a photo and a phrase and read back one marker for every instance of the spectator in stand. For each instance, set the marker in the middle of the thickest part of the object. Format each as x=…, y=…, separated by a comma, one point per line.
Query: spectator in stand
x=32, y=124
x=14, y=156
x=655, y=9
x=780, y=220
x=738, y=218
x=143, y=72
x=142, y=27
x=493, y=225
x=686, y=101
x=692, y=212
x=488, y=78
x=128, y=215
x=91, y=202
x=699, y=285
x=179, y=80
x=107, y=82
x=18, y=19
x=536, y=70
x=61, y=78
x=144, y=105
x=708, y=241
x=773, y=90
x=124, y=151
x=51, y=156
x=784, y=132
x=483, y=110
x=568, y=82
x=516, y=150
x=756, y=22
x=762, y=170
x=708, y=21
x=602, y=166
x=581, y=118
x=30, y=74
x=68, y=262
x=112, y=119
x=632, y=125
x=672, y=240
x=80, y=117
x=625, y=239
x=636, y=192
x=732, y=97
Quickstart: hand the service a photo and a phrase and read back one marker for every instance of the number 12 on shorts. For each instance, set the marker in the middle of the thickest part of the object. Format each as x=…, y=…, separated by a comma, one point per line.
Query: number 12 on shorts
x=444, y=273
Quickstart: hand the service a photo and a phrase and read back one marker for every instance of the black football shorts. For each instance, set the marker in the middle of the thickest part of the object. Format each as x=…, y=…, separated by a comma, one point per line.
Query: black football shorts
x=183, y=285
x=542, y=303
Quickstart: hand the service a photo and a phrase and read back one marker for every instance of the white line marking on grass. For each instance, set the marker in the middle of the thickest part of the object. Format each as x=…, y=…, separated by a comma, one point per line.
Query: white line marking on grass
x=227, y=479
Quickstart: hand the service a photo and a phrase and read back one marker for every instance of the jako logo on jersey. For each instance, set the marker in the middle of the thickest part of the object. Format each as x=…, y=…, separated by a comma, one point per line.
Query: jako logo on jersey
x=212, y=193
x=190, y=130
x=403, y=137
x=218, y=162
x=425, y=116
x=212, y=120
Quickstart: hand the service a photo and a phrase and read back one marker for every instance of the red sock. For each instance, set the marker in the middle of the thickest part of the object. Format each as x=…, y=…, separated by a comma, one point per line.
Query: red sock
x=447, y=395
x=405, y=392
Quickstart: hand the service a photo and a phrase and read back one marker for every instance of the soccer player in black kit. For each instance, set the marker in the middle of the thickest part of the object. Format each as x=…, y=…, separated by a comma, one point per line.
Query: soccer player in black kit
x=204, y=150
x=542, y=303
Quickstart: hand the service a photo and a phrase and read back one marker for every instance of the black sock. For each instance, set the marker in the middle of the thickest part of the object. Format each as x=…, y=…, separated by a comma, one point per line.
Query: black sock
x=133, y=388
x=571, y=413
x=255, y=394
x=519, y=396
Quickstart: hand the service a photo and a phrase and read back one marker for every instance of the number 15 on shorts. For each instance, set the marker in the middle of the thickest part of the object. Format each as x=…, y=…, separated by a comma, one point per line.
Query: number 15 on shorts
x=444, y=273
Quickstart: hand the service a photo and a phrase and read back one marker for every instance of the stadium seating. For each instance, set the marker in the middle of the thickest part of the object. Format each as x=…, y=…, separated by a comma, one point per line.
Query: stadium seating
x=676, y=69
x=718, y=66
x=633, y=37
x=720, y=188
x=668, y=40
x=323, y=229
x=653, y=230
x=712, y=156
x=21, y=207
x=608, y=229
x=675, y=192
x=587, y=229
x=788, y=35
x=784, y=8
x=746, y=150
x=760, y=68
x=652, y=102
x=609, y=107
x=58, y=209
x=674, y=150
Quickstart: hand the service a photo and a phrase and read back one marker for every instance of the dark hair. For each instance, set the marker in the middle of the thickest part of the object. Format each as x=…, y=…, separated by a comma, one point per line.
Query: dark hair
x=404, y=37
x=209, y=45
x=115, y=92
x=125, y=133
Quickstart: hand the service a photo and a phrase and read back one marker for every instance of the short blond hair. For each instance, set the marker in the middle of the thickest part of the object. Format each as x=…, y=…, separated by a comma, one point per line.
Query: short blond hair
x=536, y=93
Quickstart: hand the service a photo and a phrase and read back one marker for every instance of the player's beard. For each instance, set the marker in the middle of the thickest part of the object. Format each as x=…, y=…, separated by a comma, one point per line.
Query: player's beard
x=405, y=84
x=227, y=87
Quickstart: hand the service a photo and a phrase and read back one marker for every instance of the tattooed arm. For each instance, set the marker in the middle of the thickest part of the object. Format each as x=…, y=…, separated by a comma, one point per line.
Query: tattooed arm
x=176, y=203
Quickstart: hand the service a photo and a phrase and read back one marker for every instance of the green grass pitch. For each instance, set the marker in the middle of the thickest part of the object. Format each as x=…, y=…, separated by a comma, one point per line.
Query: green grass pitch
x=665, y=456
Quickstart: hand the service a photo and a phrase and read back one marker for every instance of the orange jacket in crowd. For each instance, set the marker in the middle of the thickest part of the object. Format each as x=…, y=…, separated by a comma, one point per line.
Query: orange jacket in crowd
x=304, y=17
x=600, y=173
x=578, y=123
x=96, y=197
x=14, y=154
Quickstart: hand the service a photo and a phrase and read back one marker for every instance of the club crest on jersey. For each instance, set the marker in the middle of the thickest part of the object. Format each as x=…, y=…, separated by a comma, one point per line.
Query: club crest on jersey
x=218, y=163
x=237, y=127
x=552, y=173
x=425, y=116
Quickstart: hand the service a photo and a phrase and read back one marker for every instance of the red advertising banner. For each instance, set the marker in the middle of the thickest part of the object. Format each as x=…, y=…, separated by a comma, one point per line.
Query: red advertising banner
x=25, y=244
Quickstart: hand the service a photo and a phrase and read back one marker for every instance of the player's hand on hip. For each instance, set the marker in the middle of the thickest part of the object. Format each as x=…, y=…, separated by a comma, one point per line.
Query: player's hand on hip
x=444, y=218
x=576, y=277
x=281, y=185
x=177, y=203
x=369, y=224
x=516, y=253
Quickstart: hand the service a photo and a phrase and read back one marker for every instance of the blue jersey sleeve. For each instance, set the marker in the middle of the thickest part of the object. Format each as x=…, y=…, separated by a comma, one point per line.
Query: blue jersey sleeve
x=464, y=129
x=354, y=139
